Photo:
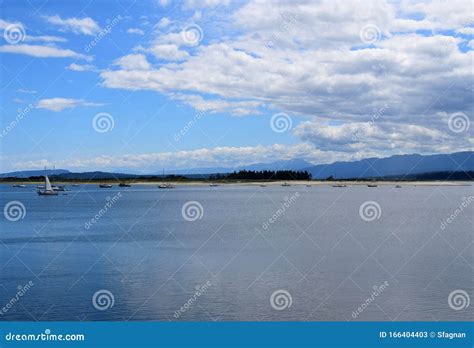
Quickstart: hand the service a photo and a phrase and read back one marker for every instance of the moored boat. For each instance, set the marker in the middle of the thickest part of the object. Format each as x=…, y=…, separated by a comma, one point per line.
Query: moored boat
x=105, y=186
x=48, y=189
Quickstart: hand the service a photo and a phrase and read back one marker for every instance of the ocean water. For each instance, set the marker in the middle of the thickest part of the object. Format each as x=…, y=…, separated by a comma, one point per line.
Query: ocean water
x=237, y=253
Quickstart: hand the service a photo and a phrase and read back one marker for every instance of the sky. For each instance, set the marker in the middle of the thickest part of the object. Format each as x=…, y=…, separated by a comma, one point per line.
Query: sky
x=141, y=86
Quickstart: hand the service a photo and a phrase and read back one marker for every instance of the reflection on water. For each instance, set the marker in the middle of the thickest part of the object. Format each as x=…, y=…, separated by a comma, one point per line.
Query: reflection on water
x=250, y=253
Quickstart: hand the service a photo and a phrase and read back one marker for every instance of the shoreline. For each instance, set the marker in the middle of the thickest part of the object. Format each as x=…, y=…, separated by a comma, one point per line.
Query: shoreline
x=257, y=183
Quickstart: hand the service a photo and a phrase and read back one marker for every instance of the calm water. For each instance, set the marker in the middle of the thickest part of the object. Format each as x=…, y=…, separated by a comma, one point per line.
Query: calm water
x=317, y=248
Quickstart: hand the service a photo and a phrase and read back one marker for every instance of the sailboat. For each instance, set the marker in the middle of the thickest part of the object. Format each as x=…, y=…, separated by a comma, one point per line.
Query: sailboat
x=48, y=189
x=165, y=185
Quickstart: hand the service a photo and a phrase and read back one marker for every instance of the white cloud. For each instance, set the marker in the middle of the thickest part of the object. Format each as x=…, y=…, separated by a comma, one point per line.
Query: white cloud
x=43, y=51
x=136, y=31
x=198, y=4
x=59, y=104
x=45, y=38
x=81, y=67
x=224, y=156
x=133, y=62
x=309, y=59
x=168, y=52
x=86, y=26
x=164, y=22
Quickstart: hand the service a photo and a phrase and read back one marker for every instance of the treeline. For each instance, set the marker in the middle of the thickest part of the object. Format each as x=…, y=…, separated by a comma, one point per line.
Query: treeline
x=265, y=175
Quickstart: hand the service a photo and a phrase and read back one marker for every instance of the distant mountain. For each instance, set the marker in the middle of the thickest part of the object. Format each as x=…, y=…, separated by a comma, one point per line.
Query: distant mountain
x=395, y=165
x=293, y=164
x=28, y=173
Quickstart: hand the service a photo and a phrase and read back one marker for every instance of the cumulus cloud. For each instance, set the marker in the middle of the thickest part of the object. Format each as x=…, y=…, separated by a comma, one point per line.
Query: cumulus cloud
x=224, y=156
x=86, y=26
x=81, y=67
x=59, y=104
x=330, y=65
x=43, y=51
x=136, y=31
x=133, y=62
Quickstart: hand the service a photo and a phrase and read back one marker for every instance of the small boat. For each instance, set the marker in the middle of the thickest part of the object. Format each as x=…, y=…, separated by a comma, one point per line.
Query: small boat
x=40, y=187
x=339, y=185
x=75, y=185
x=19, y=185
x=308, y=185
x=398, y=186
x=123, y=184
x=48, y=189
x=213, y=185
x=285, y=184
x=371, y=185
x=105, y=186
x=58, y=188
x=263, y=185
x=165, y=186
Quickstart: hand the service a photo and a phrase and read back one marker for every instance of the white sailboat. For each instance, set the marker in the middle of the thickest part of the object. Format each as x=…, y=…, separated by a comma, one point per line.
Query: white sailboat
x=48, y=189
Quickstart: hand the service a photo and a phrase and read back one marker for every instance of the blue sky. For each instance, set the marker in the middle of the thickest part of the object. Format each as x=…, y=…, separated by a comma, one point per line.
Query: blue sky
x=145, y=85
